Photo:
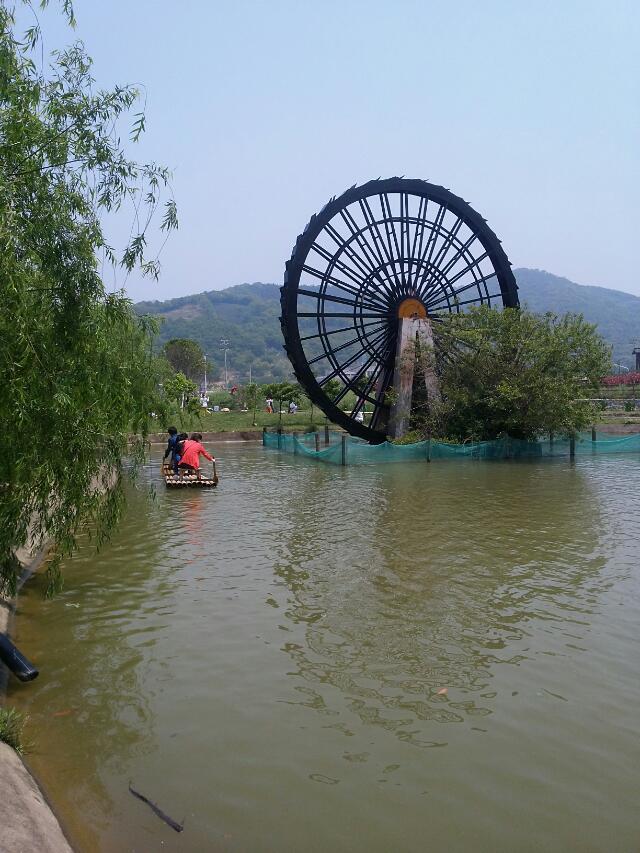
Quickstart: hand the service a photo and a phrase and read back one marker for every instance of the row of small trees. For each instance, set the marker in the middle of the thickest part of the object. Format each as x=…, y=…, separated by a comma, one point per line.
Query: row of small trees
x=179, y=392
x=182, y=363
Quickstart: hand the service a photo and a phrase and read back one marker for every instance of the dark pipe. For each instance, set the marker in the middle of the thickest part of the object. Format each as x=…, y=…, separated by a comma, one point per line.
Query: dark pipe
x=17, y=662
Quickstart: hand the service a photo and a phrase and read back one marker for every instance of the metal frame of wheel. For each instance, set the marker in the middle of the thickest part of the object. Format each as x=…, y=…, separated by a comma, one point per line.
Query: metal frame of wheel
x=390, y=248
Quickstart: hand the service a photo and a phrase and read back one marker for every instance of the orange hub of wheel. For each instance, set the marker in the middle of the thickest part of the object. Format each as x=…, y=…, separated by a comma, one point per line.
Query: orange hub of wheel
x=411, y=307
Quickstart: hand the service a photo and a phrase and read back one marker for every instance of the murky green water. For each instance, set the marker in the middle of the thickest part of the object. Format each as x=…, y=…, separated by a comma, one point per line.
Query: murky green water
x=267, y=662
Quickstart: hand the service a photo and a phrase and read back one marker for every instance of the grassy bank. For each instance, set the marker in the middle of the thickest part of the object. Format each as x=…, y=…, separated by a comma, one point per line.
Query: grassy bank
x=11, y=725
x=236, y=421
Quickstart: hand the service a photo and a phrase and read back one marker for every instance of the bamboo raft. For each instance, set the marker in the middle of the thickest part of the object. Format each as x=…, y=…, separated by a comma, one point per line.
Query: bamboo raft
x=191, y=481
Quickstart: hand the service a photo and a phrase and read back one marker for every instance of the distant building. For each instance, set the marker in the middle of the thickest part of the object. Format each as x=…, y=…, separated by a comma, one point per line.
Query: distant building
x=348, y=373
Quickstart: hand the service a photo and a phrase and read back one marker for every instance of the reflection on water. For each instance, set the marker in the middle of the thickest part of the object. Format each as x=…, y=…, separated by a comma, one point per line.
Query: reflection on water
x=280, y=662
x=415, y=591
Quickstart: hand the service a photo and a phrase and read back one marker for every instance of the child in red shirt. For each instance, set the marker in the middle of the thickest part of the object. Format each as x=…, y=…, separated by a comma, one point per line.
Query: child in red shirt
x=192, y=449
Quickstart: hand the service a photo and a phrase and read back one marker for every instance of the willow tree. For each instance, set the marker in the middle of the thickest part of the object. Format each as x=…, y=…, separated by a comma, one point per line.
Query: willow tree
x=77, y=369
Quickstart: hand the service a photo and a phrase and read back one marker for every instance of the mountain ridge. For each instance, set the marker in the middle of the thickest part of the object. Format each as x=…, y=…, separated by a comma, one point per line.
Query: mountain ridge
x=248, y=316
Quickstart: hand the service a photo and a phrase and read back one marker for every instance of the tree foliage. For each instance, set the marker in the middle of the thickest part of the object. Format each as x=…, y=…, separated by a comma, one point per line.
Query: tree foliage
x=185, y=356
x=78, y=374
x=178, y=389
x=251, y=398
x=515, y=373
x=332, y=387
x=282, y=391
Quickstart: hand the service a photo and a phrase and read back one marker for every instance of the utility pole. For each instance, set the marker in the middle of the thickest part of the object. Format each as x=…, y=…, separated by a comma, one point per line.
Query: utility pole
x=224, y=344
x=205, y=373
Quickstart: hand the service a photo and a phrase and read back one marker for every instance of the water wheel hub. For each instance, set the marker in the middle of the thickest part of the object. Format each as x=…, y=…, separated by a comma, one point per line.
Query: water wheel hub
x=412, y=308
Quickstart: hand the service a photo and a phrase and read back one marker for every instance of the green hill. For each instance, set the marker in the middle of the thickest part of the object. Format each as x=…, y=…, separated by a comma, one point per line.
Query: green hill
x=247, y=315
x=616, y=314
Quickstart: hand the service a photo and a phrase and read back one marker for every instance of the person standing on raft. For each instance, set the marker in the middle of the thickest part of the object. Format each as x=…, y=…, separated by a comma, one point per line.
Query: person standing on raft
x=192, y=450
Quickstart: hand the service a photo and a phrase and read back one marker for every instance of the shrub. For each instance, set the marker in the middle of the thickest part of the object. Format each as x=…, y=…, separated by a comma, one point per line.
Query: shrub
x=11, y=726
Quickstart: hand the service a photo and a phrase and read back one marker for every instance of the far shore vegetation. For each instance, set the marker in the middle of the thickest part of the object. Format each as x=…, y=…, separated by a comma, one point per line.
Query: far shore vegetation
x=248, y=315
x=501, y=373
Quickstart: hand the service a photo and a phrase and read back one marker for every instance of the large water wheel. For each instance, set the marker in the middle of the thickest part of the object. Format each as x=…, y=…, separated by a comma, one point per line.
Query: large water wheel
x=380, y=252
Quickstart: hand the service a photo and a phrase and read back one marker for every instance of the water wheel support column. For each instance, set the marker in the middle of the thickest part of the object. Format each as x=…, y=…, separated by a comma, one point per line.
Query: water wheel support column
x=413, y=334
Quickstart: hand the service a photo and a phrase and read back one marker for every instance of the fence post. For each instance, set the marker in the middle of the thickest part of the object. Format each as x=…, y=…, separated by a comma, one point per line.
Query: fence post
x=317, y=442
x=326, y=434
x=264, y=436
x=428, y=450
x=345, y=438
x=294, y=436
x=572, y=447
x=593, y=433
x=279, y=437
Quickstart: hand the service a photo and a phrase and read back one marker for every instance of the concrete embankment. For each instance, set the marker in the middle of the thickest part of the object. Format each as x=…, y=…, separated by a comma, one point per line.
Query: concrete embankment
x=618, y=429
x=27, y=823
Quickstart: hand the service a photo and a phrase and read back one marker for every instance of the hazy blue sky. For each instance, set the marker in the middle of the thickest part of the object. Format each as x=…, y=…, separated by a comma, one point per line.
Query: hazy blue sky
x=529, y=110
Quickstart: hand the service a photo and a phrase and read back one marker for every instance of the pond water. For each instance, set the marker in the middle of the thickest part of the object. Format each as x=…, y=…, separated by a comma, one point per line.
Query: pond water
x=313, y=658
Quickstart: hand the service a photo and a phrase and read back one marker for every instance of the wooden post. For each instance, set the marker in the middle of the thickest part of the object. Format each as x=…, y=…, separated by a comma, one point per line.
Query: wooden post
x=294, y=438
x=403, y=378
x=326, y=434
x=345, y=439
x=411, y=331
x=593, y=433
x=572, y=447
x=279, y=437
x=264, y=436
x=317, y=442
x=429, y=450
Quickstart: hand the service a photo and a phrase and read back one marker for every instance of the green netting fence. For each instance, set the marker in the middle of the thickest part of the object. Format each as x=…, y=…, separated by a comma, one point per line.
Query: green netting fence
x=338, y=448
